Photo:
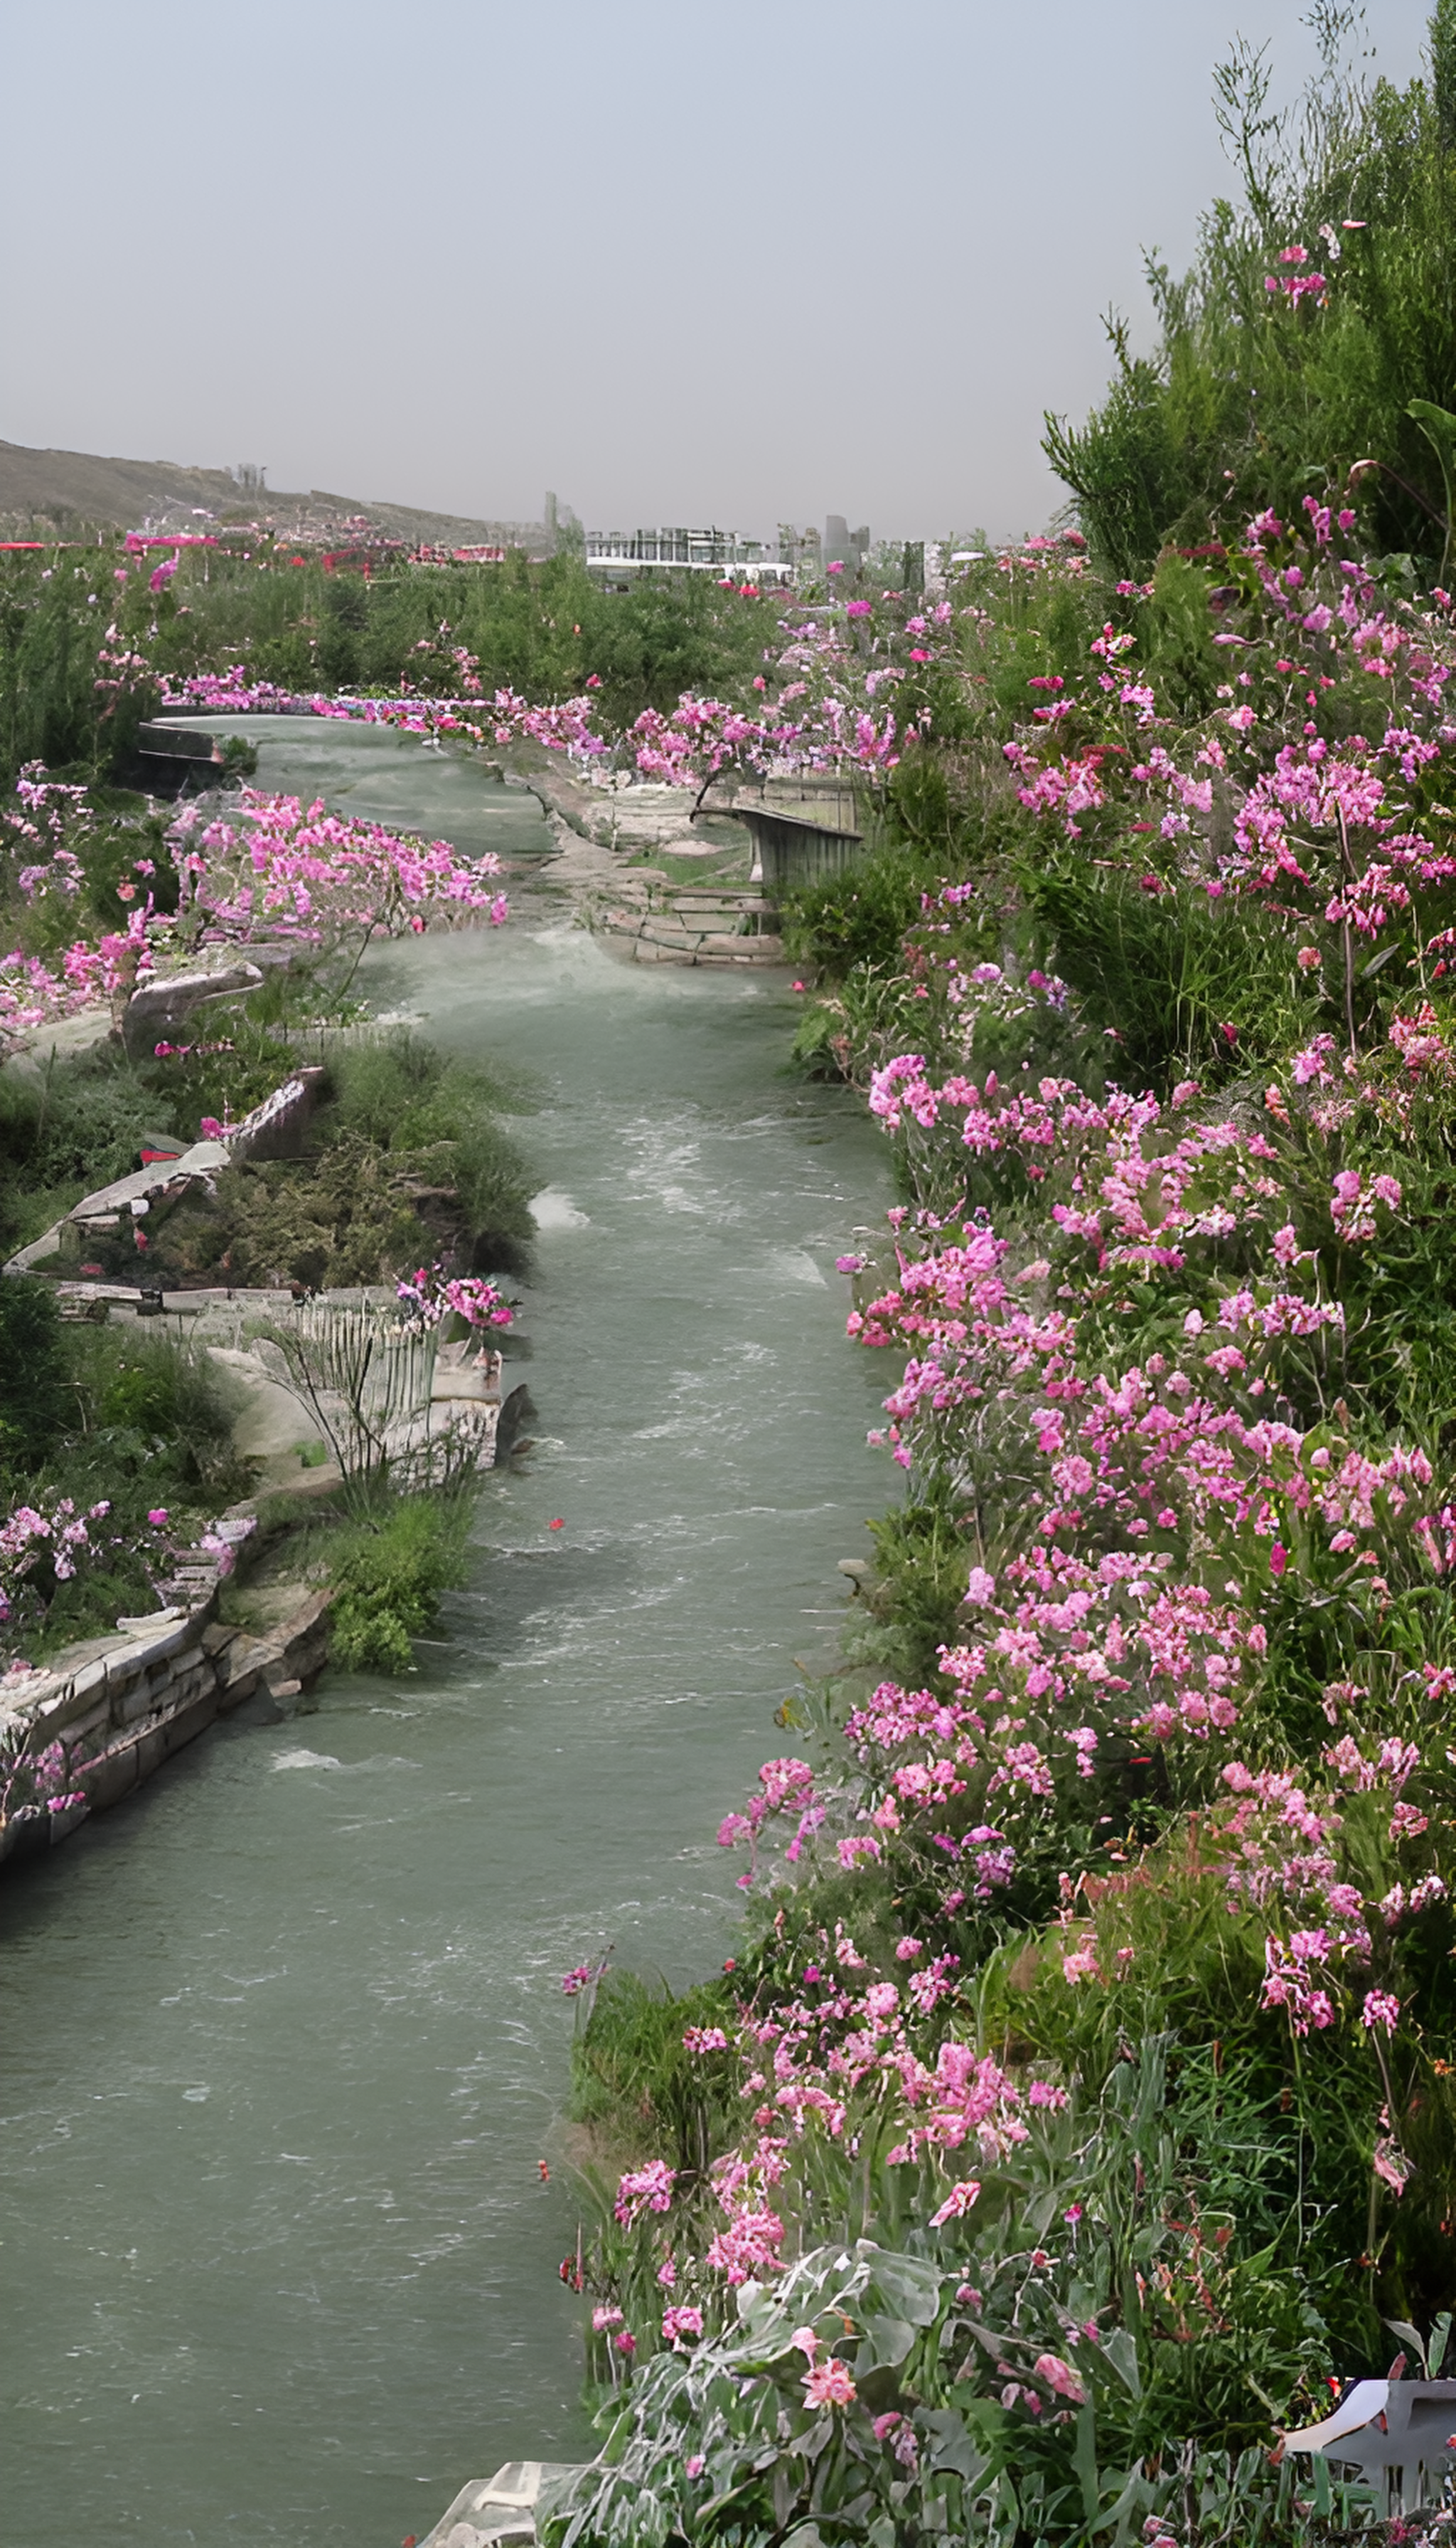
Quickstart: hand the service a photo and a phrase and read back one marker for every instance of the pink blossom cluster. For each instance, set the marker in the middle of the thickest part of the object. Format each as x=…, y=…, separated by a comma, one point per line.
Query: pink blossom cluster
x=46, y=837
x=644, y=2189
x=54, y=1537
x=430, y=1295
x=297, y=869
x=37, y=1781
x=1336, y=827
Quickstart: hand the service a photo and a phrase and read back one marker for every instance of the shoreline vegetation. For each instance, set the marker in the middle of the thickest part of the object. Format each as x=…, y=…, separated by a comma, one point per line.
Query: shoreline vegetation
x=1075, y=2114
x=245, y=1324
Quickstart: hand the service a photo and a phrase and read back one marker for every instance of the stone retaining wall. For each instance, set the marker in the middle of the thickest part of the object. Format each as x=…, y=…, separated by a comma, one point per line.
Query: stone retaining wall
x=121, y=1705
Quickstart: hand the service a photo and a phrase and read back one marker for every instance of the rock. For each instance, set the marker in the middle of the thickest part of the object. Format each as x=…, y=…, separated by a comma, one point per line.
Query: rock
x=159, y=1011
x=203, y=1160
x=61, y=1040
x=274, y=1129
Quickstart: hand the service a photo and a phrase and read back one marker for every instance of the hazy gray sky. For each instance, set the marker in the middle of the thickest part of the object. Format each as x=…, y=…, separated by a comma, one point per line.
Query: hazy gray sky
x=680, y=262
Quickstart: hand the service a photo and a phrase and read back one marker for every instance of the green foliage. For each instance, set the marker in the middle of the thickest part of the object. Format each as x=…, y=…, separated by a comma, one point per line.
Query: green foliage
x=1098, y=2220
x=66, y=1130
x=923, y=1555
x=55, y=611
x=136, y=1424
x=441, y=1116
x=859, y=917
x=339, y=1217
x=540, y=629
x=154, y=1414
x=388, y=1572
x=36, y=1401
x=1176, y=639
x=1254, y=397
x=1179, y=985
x=637, y=2088
x=406, y=1160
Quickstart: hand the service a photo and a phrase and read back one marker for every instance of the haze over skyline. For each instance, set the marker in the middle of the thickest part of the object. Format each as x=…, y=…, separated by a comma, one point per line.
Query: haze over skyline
x=678, y=266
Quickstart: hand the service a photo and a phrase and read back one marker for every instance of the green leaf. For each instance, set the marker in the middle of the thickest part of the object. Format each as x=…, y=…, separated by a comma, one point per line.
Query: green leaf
x=953, y=2447
x=1439, y=429
x=1118, y=2350
x=910, y=2284
x=1409, y=2335
x=889, y=2340
x=1084, y=2460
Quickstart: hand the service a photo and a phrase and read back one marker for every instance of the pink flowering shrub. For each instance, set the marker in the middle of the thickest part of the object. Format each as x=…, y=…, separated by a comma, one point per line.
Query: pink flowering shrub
x=430, y=1297
x=298, y=871
x=1146, y=1763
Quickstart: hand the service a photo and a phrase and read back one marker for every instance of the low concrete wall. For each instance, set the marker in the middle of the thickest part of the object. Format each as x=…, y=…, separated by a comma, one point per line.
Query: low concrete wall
x=498, y=2511
x=123, y=1705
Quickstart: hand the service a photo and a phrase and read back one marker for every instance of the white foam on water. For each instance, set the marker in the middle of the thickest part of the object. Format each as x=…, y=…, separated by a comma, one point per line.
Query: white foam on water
x=553, y=1209
x=796, y=1265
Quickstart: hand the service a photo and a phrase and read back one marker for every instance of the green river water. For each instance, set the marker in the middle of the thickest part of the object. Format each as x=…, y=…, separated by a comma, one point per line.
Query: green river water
x=284, y=2034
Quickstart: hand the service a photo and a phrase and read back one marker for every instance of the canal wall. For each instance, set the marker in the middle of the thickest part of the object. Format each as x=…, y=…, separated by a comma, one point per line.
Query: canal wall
x=120, y=1706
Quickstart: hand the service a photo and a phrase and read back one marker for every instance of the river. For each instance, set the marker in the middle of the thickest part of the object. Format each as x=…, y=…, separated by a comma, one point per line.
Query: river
x=283, y=2035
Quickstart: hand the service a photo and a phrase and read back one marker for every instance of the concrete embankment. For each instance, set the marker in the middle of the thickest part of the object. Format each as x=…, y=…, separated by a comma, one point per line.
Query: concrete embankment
x=697, y=907
x=120, y=1706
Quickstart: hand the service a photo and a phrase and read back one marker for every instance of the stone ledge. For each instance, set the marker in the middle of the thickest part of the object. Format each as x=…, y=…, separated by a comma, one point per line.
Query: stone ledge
x=496, y=2511
x=121, y=1711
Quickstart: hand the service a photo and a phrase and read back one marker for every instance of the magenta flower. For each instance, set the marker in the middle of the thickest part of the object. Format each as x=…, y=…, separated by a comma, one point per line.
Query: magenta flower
x=957, y=2204
x=830, y=2385
x=1060, y=2376
x=645, y=2188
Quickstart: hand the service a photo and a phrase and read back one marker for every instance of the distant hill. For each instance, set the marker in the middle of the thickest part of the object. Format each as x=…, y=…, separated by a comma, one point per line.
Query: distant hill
x=56, y=493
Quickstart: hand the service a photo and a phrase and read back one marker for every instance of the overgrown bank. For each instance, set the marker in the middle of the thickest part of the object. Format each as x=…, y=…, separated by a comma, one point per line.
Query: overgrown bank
x=223, y=1139
x=1077, y=2109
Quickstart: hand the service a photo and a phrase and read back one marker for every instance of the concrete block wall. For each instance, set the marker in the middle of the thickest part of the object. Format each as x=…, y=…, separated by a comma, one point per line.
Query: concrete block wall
x=123, y=1705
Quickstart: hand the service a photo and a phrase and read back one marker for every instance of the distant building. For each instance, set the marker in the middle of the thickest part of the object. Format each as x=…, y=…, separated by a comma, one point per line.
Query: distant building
x=843, y=547
x=701, y=552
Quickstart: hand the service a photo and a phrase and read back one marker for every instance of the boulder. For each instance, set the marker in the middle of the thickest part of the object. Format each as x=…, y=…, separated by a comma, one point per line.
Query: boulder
x=159, y=1011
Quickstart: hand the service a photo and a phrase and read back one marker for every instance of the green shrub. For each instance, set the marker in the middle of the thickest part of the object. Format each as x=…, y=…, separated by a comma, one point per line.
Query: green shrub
x=154, y=1416
x=68, y=1130
x=37, y=1402
x=133, y=1423
x=1252, y=400
x=859, y=917
x=438, y=1118
x=388, y=1573
x=636, y=2085
x=1179, y=985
